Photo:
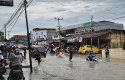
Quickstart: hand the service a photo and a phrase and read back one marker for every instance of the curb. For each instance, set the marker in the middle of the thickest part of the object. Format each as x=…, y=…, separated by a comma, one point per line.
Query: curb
x=27, y=66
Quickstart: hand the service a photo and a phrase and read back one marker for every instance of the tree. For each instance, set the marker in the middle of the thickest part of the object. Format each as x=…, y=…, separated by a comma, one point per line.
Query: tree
x=1, y=36
x=124, y=45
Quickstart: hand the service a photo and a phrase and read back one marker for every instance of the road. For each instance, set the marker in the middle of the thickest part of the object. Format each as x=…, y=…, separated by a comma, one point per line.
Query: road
x=59, y=68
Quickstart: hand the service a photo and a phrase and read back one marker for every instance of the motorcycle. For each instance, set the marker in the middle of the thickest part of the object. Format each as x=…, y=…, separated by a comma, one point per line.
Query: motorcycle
x=2, y=71
x=92, y=57
x=16, y=73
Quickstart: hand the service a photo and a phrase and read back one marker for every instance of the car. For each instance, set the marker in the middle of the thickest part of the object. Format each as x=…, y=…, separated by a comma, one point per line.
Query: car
x=87, y=48
x=23, y=47
x=9, y=44
x=41, y=49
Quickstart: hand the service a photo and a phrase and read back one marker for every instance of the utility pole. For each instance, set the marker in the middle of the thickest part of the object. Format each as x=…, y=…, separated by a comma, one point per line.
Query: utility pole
x=91, y=31
x=8, y=34
x=59, y=29
x=28, y=36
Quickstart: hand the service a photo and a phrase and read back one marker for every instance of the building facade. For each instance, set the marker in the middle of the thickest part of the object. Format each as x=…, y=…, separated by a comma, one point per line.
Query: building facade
x=102, y=33
x=18, y=38
x=42, y=34
x=105, y=38
x=94, y=26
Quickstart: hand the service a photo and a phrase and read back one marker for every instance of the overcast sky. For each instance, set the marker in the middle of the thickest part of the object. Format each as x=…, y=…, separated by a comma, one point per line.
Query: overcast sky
x=42, y=13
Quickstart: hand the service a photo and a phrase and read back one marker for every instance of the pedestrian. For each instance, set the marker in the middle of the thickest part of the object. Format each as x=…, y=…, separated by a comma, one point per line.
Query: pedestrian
x=58, y=50
x=107, y=52
x=24, y=53
x=70, y=53
x=38, y=56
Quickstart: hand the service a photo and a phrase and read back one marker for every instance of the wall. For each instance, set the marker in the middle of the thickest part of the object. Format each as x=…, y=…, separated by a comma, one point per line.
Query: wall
x=117, y=39
x=115, y=53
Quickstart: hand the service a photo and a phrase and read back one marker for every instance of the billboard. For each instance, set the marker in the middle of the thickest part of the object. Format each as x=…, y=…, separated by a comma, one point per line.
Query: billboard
x=6, y=3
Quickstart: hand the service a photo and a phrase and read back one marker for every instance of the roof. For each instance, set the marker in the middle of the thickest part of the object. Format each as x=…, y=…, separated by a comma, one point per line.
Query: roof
x=94, y=34
x=87, y=24
x=97, y=33
x=37, y=29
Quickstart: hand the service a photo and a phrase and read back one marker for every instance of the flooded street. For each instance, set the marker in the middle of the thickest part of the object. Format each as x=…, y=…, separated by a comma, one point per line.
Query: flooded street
x=59, y=68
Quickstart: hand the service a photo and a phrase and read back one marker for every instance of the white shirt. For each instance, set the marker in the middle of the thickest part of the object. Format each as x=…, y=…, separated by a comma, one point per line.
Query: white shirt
x=15, y=59
x=1, y=57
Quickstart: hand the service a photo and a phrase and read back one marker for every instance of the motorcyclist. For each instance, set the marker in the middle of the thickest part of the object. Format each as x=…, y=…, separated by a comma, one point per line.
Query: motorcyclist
x=91, y=56
x=15, y=66
x=15, y=59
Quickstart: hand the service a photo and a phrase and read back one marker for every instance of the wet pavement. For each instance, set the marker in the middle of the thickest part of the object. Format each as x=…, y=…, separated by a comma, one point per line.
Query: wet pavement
x=59, y=68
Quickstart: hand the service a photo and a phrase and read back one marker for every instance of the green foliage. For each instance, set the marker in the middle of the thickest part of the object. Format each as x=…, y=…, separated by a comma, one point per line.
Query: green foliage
x=1, y=36
x=124, y=45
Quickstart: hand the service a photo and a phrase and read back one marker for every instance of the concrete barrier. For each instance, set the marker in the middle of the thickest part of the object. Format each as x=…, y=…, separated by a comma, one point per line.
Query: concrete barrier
x=115, y=53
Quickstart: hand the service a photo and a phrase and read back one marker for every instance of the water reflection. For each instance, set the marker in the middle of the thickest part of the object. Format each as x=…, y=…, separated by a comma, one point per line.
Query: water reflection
x=93, y=64
x=107, y=59
x=36, y=70
x=71, y=65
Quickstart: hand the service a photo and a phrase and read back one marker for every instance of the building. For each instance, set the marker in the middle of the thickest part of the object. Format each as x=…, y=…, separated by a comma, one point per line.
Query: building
x=87, y=27
x=107, y=37
x=101, y=34
x=18, y=38
x=42, y=34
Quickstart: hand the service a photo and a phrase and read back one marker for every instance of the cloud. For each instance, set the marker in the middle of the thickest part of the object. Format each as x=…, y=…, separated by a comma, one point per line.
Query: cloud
x=51, y=10
x=42, y=13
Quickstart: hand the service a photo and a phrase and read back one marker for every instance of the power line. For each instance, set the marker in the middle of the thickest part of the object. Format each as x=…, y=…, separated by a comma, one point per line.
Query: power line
x=15, y=21
x=117, y=18
x=15, y=13
x=20, y=7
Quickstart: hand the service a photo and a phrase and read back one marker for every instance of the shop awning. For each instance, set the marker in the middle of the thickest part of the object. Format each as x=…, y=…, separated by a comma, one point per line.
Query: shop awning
x=94, y=34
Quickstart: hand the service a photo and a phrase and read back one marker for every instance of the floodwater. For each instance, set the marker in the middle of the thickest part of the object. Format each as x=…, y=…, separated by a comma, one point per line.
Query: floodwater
x=59, y=68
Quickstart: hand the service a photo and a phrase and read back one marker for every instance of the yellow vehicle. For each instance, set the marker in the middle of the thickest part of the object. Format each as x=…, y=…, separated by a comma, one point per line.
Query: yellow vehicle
x=87, y=48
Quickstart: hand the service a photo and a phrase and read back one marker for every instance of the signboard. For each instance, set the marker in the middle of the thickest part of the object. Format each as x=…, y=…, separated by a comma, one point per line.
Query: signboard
x=40, y=39
x=6, y=2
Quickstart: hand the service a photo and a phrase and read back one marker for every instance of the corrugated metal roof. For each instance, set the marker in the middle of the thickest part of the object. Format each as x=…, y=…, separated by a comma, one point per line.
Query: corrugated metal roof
x=93, y=34
x=37, y=29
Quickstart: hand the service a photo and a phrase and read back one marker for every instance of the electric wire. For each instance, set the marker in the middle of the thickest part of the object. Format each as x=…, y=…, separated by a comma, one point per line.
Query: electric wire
x=16, y=21
x=21, y=5
x=117, y=8
x=19, y=16
x=14, y=14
